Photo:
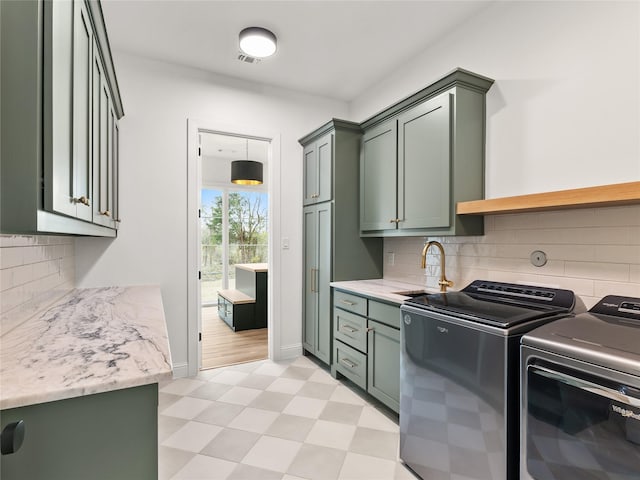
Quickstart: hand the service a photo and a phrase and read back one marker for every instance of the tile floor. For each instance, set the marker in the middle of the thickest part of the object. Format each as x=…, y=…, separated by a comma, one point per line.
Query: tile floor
x=273, y=420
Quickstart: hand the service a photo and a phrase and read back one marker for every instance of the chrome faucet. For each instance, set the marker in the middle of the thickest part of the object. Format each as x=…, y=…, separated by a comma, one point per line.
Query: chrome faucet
x=443, y=282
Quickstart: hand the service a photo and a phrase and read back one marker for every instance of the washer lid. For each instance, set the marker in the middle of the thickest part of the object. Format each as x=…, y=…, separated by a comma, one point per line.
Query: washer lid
x=609, y=340
x=483, y=310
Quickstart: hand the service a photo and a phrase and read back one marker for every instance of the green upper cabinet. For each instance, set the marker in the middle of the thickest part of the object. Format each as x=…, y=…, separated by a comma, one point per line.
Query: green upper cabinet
x=105, y=149
x=423, y=193
x=59, y=119
x=378, y=185
x=318, y=158
x=422, y=156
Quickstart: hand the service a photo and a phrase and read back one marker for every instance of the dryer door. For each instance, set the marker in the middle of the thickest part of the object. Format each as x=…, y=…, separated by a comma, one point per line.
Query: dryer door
x=580, y=425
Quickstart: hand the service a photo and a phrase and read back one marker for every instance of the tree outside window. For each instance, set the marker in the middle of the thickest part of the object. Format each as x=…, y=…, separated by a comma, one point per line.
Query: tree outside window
x=248, y=237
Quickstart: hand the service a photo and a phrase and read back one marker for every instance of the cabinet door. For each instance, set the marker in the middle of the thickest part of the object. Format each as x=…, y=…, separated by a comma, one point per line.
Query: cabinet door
x=111, y=160
x=82, y=88
x=424, y=163
x=103, y=153
x=115, y=213
x=383, y=364
x=58, y=107
x=310, y=297
x=324, y=147
x=323, y=339
x=104, y=436
x=310, y=172
x=97, y=130
x=378, y=178
x=317, y=165
x=317, y=276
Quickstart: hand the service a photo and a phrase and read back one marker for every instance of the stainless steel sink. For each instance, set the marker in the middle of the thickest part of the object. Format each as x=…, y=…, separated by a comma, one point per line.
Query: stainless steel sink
x=410, y=293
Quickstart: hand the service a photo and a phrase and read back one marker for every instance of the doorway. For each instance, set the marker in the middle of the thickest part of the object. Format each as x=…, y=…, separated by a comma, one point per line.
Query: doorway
x=234, y=250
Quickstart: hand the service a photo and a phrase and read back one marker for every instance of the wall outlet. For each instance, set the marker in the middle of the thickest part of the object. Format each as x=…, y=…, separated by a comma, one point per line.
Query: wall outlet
x=391, y=259
x=285, y=243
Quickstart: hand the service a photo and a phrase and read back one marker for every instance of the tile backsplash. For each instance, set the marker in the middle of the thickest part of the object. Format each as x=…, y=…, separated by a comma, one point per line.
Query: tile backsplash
x=34, y=271
x=594, y=252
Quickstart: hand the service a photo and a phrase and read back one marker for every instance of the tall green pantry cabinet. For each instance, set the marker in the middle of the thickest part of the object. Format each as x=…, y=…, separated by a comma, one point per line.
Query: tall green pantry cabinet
x=332, y=247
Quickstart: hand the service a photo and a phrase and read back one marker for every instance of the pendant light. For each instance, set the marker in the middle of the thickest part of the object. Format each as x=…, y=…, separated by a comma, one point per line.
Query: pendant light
x=246, y=172
x=257, y=42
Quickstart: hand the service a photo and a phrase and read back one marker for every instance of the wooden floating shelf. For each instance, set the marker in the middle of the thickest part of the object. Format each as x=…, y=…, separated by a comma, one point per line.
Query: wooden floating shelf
x=601, y=196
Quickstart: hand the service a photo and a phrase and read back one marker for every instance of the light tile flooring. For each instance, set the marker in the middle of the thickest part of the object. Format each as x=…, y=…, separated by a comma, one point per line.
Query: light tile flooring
x=266, y=420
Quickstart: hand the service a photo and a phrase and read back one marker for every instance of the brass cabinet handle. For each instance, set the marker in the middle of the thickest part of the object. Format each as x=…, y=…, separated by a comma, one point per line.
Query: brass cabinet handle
x=347, y=302
x=347, y=363
x=106, y=213
x=315, y=195
x=370, y=329
x=394, y=220
x=83, y=200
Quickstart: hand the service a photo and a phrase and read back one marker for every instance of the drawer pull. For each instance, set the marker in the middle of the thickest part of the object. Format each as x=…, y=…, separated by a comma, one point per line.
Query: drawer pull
x=347, y=302
x=83, y=200
x=348, y=363
x=347, y=328
x=370, y=329
x=315, y=195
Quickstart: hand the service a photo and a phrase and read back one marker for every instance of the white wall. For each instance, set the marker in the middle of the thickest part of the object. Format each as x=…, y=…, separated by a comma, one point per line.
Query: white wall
x=151, y=247
x=565, y=109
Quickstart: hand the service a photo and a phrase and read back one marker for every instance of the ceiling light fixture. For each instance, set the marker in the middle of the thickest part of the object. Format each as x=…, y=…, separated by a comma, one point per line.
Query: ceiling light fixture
x=257, y=42
x=246, y=172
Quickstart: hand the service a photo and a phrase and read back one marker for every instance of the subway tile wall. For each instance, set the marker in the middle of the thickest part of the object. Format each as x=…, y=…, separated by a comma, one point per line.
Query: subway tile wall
x=34, y=272
x=594, y=252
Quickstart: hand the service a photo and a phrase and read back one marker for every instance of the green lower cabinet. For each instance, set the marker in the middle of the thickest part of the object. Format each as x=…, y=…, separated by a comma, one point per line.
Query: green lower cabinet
x=105, y=436
x=366, y=345
x=351, y=363
x=383, y=364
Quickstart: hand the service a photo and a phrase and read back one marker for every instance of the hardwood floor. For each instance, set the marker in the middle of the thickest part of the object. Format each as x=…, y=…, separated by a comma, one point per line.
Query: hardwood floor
x=222, y=346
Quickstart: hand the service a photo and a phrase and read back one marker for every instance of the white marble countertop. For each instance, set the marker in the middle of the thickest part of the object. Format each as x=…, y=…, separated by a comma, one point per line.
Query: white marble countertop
x=253, y=267
x=382, y=288
x=92, y=340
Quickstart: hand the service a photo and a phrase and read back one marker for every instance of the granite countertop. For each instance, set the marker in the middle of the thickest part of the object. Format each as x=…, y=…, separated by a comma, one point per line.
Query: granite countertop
x=92, y=340
x=253, y=267
x=382, y=289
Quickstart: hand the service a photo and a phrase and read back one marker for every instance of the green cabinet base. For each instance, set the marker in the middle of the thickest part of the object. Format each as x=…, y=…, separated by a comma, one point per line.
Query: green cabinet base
x=105, y=436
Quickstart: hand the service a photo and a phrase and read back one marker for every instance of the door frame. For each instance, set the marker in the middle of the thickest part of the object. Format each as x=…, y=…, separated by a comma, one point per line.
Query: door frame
x=194, y=176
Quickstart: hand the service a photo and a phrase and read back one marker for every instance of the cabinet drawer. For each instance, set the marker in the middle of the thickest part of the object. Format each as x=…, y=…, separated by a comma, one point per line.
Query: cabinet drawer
x=350, y=302
x=351, y=363
x=385, y=313
x=350, y=329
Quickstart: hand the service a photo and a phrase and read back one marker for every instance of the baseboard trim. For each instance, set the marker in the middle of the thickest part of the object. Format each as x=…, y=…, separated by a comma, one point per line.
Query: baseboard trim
x=289, y=351
x=180, y=370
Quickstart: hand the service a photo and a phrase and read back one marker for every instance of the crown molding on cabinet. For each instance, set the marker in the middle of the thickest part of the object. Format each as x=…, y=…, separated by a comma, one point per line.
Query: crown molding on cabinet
x=600, y=196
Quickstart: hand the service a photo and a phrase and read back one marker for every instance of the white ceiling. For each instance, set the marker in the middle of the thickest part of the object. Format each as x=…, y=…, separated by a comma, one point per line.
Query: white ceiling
x=230, y=147
x=331, y=48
